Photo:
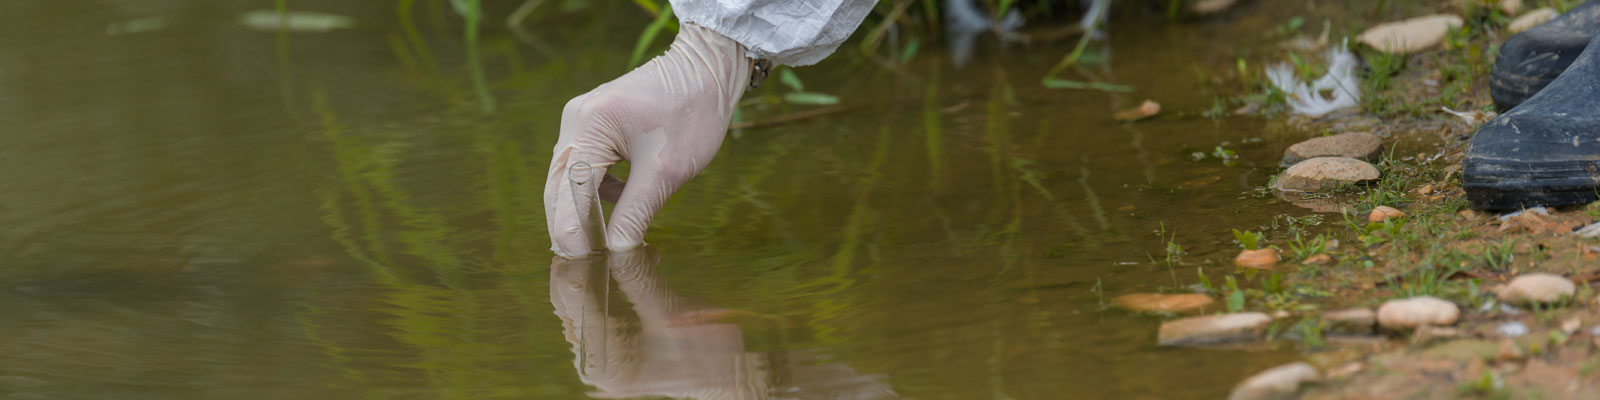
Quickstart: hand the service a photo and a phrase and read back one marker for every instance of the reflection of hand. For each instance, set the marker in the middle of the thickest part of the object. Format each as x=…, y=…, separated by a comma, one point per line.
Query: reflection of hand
x=665, y=348
x=655, y=354
x=667, y=118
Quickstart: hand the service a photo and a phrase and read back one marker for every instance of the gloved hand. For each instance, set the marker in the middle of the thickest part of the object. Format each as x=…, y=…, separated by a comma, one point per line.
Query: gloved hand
x=666, y=117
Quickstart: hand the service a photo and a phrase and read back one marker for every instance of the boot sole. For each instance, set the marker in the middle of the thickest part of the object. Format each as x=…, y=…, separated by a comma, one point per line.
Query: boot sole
x=1515, y=185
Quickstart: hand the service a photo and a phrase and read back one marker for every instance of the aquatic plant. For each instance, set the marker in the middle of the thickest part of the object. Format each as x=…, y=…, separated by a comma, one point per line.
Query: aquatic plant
x=1235, y=295
x=1248, y=240
x=1305, y=249
x=472, y=12
x=798, y=93
x=1307, y=99
x=1229, y=157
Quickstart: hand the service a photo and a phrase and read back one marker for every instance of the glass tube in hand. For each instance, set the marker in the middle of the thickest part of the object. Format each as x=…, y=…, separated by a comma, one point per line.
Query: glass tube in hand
x=584, y=185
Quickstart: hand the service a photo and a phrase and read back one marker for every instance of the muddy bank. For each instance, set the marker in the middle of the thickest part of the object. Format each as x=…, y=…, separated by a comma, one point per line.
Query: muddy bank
x=1392, y=286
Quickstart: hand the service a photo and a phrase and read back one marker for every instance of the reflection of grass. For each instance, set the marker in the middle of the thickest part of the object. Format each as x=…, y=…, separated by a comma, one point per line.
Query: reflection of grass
x=829, y=302
x=416, y=50
x=452, y=332
x=997, y=133
x=726, y=196
x=427, y=265
x=1028, y=174
x=372, y=252
x=473, y=12
x=338, y=356
x=512, y=190
x=933, y=137
x=451, y=337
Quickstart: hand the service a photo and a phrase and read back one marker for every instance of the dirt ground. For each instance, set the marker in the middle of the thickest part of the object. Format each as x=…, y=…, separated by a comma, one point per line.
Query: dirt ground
x=1441, y=247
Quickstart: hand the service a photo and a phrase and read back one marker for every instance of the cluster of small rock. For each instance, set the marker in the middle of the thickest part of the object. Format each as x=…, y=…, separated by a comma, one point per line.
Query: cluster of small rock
x=1426, y=32
x=1330, y=162
x=1422, y=316
x=1317, y=164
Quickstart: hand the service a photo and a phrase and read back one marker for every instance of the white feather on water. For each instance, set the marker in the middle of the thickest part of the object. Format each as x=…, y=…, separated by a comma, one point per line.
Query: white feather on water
x=1308, y=100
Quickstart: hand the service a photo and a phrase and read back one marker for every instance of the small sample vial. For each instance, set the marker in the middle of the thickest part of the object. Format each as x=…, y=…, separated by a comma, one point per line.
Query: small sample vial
x=584, y=185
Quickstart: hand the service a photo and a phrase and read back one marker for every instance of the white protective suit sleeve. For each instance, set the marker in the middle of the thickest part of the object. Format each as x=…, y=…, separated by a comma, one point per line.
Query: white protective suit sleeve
x=788, y=32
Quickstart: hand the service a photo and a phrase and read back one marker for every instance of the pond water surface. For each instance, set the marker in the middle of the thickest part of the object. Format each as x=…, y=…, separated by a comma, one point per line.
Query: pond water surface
x=202, y=210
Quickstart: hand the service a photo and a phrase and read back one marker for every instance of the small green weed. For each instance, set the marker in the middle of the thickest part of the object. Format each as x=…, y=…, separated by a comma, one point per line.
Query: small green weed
x=1248, y=240
x=1303, y=249
x=1228, y=157
x=1235, y=299
x=1174, y=250
x=1310, y=331
x=1499, y=257
x=1488, y=385
x=1290, y=27
x=1099, y=295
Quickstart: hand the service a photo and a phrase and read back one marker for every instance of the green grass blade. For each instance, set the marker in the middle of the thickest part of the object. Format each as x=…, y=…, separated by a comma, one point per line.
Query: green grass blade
x=649, y=36
x=652, y=7
x=1058, y=83
x=819, y=99
x=910, y=50
x=790, y=79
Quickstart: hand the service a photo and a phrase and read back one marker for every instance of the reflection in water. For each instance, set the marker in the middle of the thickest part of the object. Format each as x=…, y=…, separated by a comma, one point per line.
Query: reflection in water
x=176, y=230
x=667, y=345
x=965, y=23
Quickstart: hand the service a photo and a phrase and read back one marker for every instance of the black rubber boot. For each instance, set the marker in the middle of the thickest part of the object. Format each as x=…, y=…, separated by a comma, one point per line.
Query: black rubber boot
x=1545, y=151
x=1530, y=60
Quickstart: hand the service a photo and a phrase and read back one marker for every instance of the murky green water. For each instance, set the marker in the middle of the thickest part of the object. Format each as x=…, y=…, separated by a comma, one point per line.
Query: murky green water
x=207, y=211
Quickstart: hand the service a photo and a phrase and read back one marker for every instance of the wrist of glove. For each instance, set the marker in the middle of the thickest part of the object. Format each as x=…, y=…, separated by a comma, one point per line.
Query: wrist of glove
x=667, y=118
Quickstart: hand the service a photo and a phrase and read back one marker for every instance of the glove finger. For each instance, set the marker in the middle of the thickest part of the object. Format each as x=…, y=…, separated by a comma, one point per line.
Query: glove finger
x=644, y=194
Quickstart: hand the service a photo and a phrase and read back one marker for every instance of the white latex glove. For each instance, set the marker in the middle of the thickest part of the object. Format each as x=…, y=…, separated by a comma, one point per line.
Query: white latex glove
x=666, y=117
